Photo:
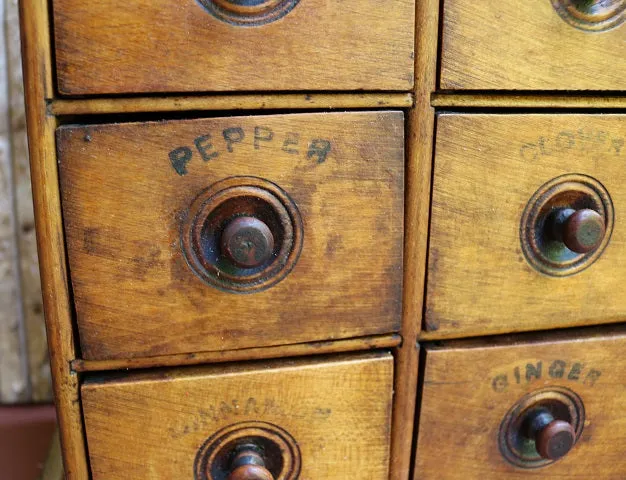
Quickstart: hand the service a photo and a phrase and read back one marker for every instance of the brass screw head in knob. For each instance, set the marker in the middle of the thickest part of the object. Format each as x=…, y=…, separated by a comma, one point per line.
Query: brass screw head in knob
x=583, y=231
x=247, y=242
x=555, y=440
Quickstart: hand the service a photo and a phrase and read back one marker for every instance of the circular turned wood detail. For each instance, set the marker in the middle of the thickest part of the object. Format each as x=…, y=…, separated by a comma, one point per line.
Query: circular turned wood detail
x=249, y=451
x=242, y=235
x=566, y=225
x=541, y=427
x=592, y=15
x=249, y=13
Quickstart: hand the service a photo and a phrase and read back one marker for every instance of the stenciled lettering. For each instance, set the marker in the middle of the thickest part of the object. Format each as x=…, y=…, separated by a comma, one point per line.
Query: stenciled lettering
x=231, y=140
x=596, y=142
x=530, y=372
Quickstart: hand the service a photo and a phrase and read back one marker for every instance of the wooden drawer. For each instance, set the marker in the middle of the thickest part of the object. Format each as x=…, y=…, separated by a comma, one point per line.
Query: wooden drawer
x=141, y=46
x=495, y=262
x=547, y=45
x=330, y=419
x=477, y=395
x=148, y=208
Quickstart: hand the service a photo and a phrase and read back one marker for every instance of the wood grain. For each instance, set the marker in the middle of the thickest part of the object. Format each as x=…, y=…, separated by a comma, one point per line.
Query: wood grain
x=50, y=242
x=461, y=411
x=200, y=103
x=150, y=426
x=513, y=100
x=117, y=46
x=420, y=131
x=487, y=167
x=283, y=351
x=123, y=203
x=511, y=46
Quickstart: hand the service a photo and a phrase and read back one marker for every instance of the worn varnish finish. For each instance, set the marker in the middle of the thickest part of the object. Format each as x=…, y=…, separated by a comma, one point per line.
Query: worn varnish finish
x=487, y=168
x=216, y=102
x=468, y=391
x=123, y=203
x=282, y=351
x=50, y=240
x=420, y=132
x=117, y=46
x=509, y=45
x=150, y=426
x=545, y=101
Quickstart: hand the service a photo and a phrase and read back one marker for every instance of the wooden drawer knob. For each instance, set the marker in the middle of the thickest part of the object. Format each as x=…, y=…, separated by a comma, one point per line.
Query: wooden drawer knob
x=249, y=465
x=553, y=438
x=251, y=472
x=247, y=242
x=581, y=231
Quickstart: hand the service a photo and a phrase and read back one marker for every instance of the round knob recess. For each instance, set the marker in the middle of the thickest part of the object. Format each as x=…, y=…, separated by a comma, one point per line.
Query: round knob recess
x=249, y=465
x=553, y=438
x=567, y=225
x=581, y=231
x=247, y=242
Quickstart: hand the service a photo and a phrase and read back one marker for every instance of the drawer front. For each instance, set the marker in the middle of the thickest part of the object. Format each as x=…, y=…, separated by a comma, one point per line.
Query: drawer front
x=319, y=419
x=478, y=405
x=115, y=46
x=547, y=45
x=238, y=232
x=500, y=260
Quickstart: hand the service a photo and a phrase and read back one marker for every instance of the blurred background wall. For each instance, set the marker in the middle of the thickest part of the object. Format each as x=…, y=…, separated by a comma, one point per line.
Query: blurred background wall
x=24, y=371
x=27, y=419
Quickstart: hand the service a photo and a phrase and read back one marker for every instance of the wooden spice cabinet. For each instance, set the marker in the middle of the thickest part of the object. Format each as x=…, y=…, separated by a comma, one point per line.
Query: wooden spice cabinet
x=305, y=239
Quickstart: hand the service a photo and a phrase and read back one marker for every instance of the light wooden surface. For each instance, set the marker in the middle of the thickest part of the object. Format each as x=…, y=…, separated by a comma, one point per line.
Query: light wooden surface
x=527, y=100
x=420, y=131
x=282, y=351
x=50, y=239
x=196, y=103
x=486, y=169
x=119, y=46
x=150, y=426
x=508, y=45
x=136, y=296
x=24, y=370
x=461, y=411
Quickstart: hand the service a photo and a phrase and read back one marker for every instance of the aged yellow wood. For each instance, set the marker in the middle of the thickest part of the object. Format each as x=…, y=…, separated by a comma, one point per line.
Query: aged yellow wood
x=151, y=426
x=480, y=100
x=50, y=241
x=468, y=391
x=116, y=46
x=420, y=128
x=292, y=101
x=124, y=207
x=301, y=349
x=509, y=45
x=487, y=168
